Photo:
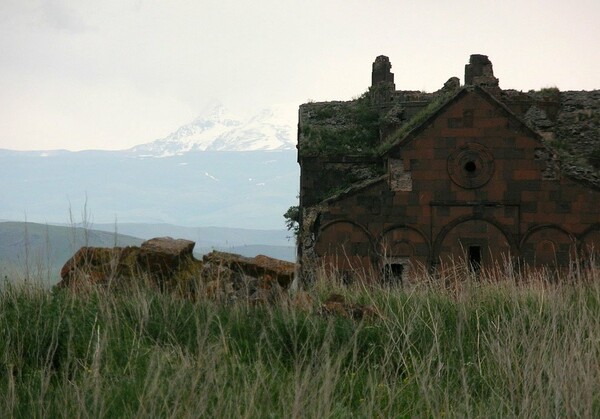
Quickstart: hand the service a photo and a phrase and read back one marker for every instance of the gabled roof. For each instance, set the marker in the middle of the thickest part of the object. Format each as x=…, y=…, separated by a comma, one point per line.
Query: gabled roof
x=421, y=121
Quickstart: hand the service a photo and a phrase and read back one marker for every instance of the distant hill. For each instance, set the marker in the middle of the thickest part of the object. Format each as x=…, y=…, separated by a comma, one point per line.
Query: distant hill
x=203, y=236
x=250, y=189
x=220, y=169
x=43, y=249
x=279, y=252
x=247, y=242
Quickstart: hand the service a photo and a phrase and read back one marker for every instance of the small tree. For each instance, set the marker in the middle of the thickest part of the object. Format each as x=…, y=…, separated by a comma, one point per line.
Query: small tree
x=292, y=219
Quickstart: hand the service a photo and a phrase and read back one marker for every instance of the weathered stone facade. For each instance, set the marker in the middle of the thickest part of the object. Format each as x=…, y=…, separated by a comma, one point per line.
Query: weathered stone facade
x=400, y=180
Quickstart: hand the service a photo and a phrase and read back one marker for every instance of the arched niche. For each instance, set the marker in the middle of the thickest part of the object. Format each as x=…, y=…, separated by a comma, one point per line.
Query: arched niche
x=405, y=242
x=590, y=244
x=548, y=246
x=406, y=246
x=345, y=246
x=478, y=242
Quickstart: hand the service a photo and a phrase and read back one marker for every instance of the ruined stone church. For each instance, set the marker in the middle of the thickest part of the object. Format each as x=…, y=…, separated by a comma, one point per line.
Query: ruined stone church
x=399, y=180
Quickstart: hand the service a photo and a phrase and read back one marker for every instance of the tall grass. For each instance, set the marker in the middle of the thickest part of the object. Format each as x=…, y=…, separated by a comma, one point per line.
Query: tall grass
x=480, y=349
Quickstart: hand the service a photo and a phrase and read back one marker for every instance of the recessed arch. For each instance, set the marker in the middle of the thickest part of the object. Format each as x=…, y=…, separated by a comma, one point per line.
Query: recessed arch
x=590, y=243
x=537, y=228
x=480, y=239
x=344, y=245
x=402, y=241
x=548, y=246
x=402, y=249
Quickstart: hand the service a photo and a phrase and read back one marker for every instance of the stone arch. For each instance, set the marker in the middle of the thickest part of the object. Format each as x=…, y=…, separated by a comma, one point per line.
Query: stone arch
x=590, y=243
x=468, y=238
x=344, y=245
x=405, y=241
x=405, y=247
x=548, y=245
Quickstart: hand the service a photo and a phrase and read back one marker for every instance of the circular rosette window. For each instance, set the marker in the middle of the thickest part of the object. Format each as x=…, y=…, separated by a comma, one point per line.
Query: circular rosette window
x=471, y=166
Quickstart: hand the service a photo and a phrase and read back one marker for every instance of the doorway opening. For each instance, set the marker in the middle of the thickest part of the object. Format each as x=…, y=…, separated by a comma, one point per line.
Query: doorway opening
x=394, y=272
x=474, y=257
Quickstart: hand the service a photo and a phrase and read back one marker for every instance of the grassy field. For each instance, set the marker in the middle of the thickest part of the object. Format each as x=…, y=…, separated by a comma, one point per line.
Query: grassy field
x=470, y=349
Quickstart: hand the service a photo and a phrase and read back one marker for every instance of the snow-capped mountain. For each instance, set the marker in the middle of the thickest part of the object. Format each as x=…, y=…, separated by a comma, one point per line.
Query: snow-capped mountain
x=193, y=183
x=219, y=130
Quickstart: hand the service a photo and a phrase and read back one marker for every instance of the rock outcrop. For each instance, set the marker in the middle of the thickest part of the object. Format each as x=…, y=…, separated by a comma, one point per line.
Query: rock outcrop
x=163, y=262
x=260, y=279
x=169, y=265
x=268, y=270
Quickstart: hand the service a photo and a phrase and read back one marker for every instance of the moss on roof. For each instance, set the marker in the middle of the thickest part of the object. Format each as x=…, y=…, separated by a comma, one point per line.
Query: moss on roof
x=416, y=121
x=354, y=127
x=354, y=187
x=339, y=127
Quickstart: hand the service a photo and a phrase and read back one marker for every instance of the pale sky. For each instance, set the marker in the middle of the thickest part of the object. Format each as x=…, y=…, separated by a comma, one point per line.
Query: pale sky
x=82, y=74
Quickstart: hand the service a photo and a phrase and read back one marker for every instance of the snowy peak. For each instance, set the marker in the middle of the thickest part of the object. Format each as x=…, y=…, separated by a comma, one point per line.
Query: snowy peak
x=219, y=130
x=217, y=114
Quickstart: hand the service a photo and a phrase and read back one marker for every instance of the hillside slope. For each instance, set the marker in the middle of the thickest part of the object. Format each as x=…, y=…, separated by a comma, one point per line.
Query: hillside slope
x=42, y=249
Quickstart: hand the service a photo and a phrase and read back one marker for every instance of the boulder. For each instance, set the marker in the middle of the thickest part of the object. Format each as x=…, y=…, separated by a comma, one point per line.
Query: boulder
x=268, y=271
x=164, y=262
x=165, y=256
x=98, y=266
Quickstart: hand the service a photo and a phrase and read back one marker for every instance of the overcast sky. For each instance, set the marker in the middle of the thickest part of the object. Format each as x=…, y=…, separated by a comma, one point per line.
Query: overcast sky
x=108, y=74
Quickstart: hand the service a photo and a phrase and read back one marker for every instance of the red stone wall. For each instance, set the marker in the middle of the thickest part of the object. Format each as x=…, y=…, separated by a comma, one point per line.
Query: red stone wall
x=477, y=180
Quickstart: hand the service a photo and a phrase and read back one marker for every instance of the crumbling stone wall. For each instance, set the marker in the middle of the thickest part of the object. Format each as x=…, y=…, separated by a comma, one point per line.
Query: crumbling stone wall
x=478, y=177
x=480, y=72
x=324, y=176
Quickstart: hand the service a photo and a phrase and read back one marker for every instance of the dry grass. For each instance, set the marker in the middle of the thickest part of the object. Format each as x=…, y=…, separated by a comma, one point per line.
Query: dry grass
x=508, y=343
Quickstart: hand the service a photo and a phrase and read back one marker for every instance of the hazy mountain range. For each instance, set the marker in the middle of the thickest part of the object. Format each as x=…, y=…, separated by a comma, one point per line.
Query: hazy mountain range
x=216, y=171
x=228, y=179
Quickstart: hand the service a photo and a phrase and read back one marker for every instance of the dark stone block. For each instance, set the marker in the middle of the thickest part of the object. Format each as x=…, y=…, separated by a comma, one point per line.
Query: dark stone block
x=442, y=211
x=563, y=207
x=529, y=207
x=529, y=185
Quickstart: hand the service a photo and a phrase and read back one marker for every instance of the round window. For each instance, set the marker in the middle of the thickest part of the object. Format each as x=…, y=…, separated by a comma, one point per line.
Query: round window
x=471, y=166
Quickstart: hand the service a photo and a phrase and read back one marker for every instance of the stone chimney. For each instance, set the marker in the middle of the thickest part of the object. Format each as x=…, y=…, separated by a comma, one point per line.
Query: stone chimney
x=479, y=72
x=381, y=72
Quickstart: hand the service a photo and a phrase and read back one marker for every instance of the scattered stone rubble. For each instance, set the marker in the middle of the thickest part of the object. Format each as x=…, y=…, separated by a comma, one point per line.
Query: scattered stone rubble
x=337, y=305
x=227, y=276
x=169, y=265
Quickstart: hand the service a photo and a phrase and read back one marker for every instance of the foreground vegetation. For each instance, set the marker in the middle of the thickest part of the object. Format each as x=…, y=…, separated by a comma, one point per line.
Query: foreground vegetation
x=471, y=349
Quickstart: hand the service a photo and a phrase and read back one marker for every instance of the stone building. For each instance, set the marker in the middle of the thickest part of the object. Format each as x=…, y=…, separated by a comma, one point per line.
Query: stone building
x=400, y=180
